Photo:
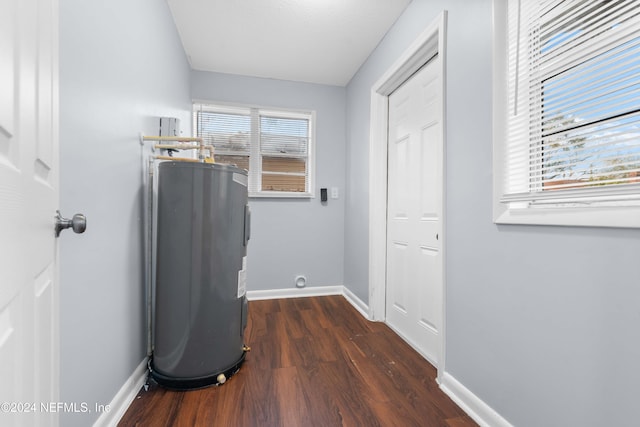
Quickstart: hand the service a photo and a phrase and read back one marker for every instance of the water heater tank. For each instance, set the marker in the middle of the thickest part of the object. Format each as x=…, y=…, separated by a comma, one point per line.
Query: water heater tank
x=200, y=303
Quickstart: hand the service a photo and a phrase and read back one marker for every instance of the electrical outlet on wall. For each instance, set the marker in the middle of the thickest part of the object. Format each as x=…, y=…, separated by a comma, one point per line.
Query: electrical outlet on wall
x=334, y=192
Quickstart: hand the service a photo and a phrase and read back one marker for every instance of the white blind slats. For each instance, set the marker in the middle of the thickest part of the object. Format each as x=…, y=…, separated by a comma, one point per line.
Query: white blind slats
x=274, y=146
x=596, y=77
x=576, y=16
x=574, y=58
x=558, y=111
x=557, y=30
x=582, y=45
x=284, y=145
x=573, y=195
x=226, y=132
x=282, y=136
x=574, y=97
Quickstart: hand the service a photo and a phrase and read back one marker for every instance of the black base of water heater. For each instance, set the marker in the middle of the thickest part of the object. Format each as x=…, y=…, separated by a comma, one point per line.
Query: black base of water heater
x=183, y=384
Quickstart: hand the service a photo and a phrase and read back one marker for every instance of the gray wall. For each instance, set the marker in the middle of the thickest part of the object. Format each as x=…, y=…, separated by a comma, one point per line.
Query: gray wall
x=121, y=66
x=290, y=237
x=542, y=322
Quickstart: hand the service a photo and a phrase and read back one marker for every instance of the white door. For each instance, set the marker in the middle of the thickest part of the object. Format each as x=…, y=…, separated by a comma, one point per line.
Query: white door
x=414, y=213
x=28, y=200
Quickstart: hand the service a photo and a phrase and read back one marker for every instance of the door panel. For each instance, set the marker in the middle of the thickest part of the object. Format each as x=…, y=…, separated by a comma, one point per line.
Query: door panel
x=429, y=296
x=401, y=196
x=28, y=200
x=44, y=336
x=414, y=211
x=398, y=273
x=9, y=351
x=429, y=173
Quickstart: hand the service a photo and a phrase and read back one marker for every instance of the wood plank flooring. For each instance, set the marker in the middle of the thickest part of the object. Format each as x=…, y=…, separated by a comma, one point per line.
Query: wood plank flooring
x=313, y=362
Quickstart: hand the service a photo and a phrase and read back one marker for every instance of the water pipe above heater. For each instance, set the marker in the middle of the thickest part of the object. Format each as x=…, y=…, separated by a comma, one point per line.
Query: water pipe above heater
x=182, y=143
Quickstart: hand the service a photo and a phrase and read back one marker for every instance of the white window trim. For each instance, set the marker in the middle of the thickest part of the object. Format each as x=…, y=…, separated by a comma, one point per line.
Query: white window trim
x=591, y=211
x=283, y=112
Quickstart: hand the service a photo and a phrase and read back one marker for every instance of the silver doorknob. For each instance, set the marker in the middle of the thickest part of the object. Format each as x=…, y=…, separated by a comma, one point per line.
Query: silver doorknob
x=78, y=223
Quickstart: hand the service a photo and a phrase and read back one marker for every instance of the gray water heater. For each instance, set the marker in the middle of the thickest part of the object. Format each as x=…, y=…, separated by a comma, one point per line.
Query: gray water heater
x=200, y=303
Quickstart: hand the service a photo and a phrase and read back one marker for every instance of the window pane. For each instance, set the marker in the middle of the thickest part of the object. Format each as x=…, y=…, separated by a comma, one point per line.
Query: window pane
x=284, y=146
x=226, y=132
x=284, y=164
x=283, y=135
x=272, y=145
x=292, y=183
x=591, y=122
x=241, y=162
x=605, y=86
x=605, y=153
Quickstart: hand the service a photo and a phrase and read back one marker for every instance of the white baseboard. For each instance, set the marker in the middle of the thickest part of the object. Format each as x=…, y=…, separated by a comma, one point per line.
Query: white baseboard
x=475, y=407
x=356, y=302
x=316, y=291
x=313, y=291
x=123, y=398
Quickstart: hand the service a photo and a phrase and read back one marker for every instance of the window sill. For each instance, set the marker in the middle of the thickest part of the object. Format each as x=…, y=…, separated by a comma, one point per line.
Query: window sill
x=280, y=195
x=612, y=216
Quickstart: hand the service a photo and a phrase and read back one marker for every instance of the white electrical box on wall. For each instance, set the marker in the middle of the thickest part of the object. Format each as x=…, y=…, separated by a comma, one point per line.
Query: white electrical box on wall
x=169, y=126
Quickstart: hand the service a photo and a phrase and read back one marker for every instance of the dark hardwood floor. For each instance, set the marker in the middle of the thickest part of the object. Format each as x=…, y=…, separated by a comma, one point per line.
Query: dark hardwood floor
x=313, y=362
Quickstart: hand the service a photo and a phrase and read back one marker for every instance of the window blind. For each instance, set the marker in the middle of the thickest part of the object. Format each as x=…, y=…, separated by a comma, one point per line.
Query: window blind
x=229, y=131
x=284, y=143
x=574, y=100
x=273, y=146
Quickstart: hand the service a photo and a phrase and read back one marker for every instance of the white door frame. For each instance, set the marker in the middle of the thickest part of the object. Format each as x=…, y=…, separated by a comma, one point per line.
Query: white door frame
x=424, y=47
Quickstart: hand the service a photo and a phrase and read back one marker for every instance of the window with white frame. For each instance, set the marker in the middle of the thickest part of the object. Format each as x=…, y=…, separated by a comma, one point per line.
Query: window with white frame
x=274, y=146
x=567, y=112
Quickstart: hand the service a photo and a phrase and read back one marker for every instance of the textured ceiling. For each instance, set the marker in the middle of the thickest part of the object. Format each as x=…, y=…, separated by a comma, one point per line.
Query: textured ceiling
x=317, y=41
